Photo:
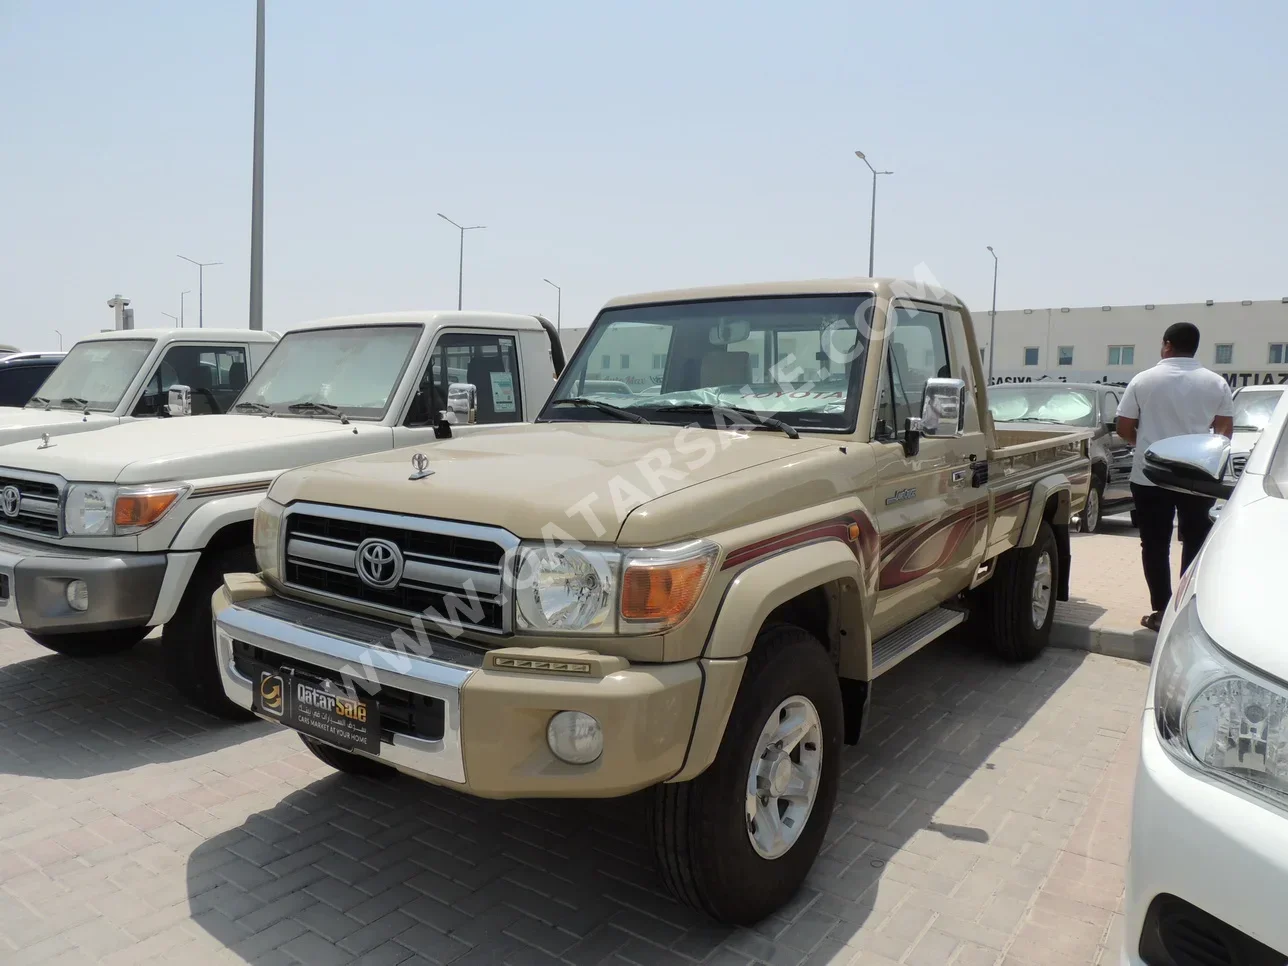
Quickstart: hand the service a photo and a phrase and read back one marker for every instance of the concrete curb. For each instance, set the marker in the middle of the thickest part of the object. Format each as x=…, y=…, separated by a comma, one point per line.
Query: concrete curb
x=1131, y=645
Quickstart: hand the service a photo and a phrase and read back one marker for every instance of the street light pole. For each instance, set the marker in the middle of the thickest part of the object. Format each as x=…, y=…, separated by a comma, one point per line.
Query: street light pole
x=186, y=291
x=257, y=183
x=872, y=229
x=60, y=340
x=460, y=270
x=201, y=288
x=169, y=316
x=558, y=305
x=992, y=322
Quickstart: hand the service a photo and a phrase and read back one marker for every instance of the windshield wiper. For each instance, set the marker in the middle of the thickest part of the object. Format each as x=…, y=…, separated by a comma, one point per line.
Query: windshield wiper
x=256, y=407
x=38, y=400
x=603, y=407
x=76, y=401
x=769, y=422
x=318, y=407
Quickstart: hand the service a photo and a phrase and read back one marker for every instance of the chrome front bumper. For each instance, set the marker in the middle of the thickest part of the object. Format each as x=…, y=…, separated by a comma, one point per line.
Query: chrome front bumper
x=364, y=653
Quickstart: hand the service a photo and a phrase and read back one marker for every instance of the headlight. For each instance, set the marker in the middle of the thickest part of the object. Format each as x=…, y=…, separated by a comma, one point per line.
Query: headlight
x=100, y=509
x=267, y=537
x=1217, y=716
x=564, y=589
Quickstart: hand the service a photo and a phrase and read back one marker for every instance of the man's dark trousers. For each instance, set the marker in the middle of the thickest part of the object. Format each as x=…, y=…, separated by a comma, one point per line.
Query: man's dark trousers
x=1155, y=509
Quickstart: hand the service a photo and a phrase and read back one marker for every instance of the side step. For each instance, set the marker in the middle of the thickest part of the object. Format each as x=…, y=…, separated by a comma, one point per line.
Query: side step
x=907, y=640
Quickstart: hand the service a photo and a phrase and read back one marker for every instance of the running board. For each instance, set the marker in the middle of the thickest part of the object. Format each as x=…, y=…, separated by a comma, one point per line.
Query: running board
x=912, y=637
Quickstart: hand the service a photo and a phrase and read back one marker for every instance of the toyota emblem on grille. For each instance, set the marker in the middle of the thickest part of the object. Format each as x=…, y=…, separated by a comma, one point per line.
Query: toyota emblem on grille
x=380, y=563
x=10, y=500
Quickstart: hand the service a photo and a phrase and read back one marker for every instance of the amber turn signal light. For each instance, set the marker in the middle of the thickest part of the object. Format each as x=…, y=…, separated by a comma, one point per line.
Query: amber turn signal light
x=143, y=509
x=663, y=592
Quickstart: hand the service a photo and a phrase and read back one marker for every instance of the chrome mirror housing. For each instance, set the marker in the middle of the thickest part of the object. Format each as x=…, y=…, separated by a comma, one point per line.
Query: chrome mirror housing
x=1194, y=464
x=179, y=402
x=943, y=408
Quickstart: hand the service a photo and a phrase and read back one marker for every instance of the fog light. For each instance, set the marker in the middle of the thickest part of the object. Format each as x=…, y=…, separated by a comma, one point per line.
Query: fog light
x=575, y=737
x=78, y=595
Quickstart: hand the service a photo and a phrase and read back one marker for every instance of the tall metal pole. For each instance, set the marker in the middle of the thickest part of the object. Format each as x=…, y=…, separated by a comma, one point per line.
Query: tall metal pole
x=60, y=340
x=558, y=305
x=872, y=229
x=201, y=288
x=992, y=322
x=257, y=183
x=460, y=270
x=186, y=291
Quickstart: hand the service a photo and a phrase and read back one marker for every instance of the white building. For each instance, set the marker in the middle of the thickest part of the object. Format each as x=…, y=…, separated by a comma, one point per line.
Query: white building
x=1247, y=342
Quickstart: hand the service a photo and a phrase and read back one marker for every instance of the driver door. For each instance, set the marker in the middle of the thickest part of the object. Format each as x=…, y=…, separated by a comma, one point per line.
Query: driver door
x=487, y=360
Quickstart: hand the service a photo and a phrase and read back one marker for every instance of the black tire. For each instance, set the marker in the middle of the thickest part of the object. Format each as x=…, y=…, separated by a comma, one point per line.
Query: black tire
x=699, y=829
x=188, y=638
x=1006, y=601
x=348, y=762
x=92, y=643
x=1093, y=513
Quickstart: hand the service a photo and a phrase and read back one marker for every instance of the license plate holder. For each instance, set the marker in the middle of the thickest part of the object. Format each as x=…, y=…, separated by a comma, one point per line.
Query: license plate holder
x=319, y=708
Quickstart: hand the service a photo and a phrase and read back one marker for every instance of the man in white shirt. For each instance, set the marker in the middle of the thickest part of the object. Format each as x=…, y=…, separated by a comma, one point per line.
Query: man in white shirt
x=1177, y=397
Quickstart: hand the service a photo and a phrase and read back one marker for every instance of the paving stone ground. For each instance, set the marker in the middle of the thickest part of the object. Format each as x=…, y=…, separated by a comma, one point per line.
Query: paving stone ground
x=983, y=820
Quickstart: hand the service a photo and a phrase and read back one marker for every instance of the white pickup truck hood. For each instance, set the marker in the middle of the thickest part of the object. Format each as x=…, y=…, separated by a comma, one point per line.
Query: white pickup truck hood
x=19, y=424
x=196, y=448
x=1241, y=578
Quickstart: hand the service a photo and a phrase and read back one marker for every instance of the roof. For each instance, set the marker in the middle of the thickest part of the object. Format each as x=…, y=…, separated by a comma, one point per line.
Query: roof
x=429, y=317
x=188, y=334
x=1057, y=384
x=890, y=288
x=1264, y=387
x=32, y=356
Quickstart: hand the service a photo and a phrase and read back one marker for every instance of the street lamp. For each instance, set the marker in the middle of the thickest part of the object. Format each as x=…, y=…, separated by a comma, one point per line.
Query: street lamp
x=201, y=289
x=186, y=291
x=60, y=340
x=872, y=231
x=460, y=271
x=169, y=316
x=992, y=322
x=257, y=183
x=558, y=305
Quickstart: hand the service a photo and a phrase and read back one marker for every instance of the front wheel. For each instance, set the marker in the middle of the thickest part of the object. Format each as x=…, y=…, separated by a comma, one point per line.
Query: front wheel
x=1089, y=521
x=737, y=841
x=188, y=638
x=92, y=643
x=347, y=761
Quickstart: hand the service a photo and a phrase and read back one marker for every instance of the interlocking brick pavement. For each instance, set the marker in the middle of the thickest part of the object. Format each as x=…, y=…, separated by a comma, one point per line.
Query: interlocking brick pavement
x=982, y=820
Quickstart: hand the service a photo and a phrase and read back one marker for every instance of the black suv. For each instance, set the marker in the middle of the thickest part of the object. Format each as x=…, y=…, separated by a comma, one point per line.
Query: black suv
x=22, y=373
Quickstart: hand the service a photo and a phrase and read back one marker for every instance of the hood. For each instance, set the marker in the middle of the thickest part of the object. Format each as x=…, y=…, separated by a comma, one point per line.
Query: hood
x=19, y=424
x=195, y=448
x=1243, y=440
x=579, y=480
x=1240, y=578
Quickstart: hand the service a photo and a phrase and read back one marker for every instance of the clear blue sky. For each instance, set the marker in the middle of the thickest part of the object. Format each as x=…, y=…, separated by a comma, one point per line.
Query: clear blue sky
x=1111, y=152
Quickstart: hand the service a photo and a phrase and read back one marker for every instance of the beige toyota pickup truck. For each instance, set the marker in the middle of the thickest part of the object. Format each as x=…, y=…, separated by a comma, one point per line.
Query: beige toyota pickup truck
x=738, y=509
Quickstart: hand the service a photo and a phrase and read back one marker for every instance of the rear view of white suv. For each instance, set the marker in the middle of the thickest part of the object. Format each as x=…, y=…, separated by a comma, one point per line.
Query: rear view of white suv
x=1208, y=870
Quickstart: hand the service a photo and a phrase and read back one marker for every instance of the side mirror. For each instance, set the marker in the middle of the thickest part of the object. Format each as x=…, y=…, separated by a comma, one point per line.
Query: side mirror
x=912, y=436
x=462, y=401
x=943, y=408
x=1191, y=464
x=180, y=401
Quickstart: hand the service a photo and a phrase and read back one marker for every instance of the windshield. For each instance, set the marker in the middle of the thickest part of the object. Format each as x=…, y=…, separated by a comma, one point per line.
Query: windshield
x=355, y=370
x=1252, y=409
x=798, y=359
x=93, y=375
x=1032, y=403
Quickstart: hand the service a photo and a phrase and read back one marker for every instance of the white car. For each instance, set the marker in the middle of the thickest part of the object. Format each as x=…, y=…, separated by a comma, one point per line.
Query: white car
x=1208, y=869
x=1253, y=406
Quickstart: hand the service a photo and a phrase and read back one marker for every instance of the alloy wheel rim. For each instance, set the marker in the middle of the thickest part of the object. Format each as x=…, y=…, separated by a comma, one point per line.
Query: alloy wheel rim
x=1092, y=510
x=783, y=781
x=1042, y=589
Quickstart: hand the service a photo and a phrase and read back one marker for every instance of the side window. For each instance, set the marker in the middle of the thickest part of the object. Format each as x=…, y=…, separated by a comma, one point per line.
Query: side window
x=19, y=384
x=216, y=374
x=1111, y=408
x=917, y=352
x=489, y=362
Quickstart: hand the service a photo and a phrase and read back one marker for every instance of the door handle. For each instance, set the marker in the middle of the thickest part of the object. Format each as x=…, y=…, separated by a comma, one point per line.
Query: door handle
x=959, y=477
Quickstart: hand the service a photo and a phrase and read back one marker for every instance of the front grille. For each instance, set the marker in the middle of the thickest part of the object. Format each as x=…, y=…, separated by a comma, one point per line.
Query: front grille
x=1177, y=933
x=37, y=507
x=1238, y=463
x=452, y=573
x=401, y=712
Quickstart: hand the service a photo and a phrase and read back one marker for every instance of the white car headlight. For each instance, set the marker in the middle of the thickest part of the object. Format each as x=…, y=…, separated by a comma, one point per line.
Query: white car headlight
x=103, y=510
x=1218, y=716
x=562, y=589
x=267, y=538
x=89, y=510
